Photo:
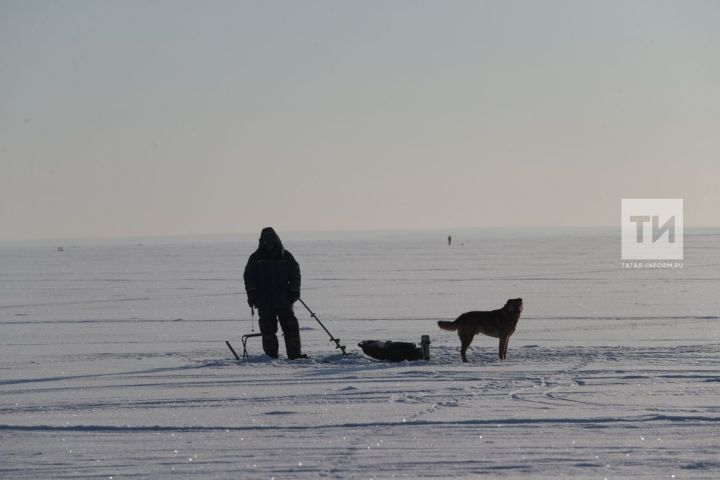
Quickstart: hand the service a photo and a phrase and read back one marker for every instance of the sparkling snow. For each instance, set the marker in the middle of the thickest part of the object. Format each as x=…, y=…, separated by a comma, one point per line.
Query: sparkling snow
x=113, y=362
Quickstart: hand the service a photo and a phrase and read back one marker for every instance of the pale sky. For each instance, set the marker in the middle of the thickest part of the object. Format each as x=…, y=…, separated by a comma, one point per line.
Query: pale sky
x=129, y=118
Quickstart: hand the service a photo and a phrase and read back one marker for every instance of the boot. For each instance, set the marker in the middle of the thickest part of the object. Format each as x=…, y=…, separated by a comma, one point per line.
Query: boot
x=292, y=346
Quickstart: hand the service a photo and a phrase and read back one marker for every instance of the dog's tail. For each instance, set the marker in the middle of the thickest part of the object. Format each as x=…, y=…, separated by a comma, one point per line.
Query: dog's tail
x=445, y=325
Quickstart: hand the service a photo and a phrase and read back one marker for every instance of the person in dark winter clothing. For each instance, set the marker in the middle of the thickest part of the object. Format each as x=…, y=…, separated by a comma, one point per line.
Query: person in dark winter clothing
x=272, y=283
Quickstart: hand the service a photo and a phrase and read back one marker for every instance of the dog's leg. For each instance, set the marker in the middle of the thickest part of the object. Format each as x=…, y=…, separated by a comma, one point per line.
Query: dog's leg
x=465, y=341
x=502, y=347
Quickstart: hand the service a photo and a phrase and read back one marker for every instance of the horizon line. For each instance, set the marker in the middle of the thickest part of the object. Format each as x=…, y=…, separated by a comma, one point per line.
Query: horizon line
x=446, y=231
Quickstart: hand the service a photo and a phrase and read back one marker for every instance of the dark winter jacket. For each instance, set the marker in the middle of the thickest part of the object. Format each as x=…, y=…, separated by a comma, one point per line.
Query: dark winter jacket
x=272, y=276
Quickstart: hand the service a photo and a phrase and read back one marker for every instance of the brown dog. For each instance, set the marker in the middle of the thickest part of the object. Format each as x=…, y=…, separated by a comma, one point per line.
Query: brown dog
x=499, y=323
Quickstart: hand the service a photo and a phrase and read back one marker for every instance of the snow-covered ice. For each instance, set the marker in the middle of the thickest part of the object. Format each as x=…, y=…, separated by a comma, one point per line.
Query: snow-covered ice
x=113, y=362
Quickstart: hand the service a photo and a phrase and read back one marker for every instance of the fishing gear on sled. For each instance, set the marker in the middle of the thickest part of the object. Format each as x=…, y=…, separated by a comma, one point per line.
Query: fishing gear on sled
x=386, y=350
x=397, y=351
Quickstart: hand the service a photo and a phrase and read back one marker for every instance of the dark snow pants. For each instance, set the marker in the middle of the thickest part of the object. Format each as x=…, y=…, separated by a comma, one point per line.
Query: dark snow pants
x=268, y=321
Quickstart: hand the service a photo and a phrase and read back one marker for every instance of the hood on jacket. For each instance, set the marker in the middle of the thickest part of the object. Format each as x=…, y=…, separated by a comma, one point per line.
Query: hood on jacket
x=269, y=243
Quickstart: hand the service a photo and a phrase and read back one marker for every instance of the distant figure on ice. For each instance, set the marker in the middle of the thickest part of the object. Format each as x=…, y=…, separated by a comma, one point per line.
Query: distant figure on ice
x=449, y=240
x=272, y=283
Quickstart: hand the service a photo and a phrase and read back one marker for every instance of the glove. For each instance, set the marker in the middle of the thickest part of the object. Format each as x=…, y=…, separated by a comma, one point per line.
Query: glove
x=294, y=296
x=251, y=299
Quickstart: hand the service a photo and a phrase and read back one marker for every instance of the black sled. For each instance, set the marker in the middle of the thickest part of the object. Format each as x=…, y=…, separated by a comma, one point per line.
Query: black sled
x=396, y=351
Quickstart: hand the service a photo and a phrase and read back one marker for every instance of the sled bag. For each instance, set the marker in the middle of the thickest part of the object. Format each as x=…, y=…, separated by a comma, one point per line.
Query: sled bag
x=392, y=351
